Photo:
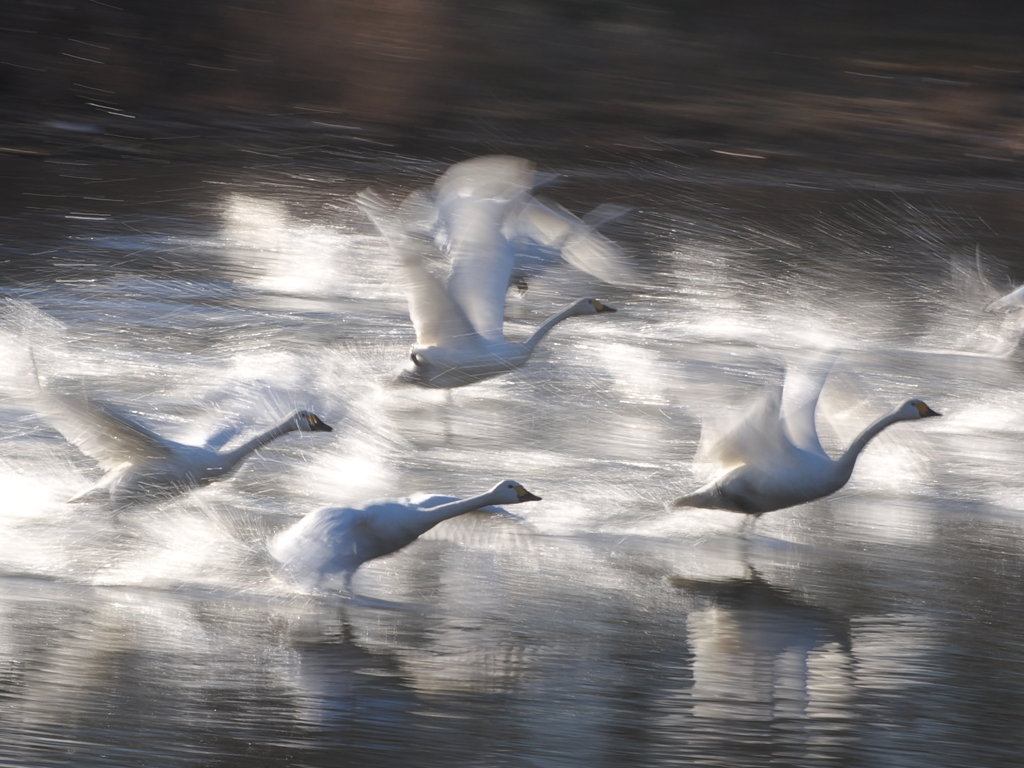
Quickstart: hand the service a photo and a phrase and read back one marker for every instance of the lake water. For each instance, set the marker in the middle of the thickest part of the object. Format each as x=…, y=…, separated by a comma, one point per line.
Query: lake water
x=878, y=627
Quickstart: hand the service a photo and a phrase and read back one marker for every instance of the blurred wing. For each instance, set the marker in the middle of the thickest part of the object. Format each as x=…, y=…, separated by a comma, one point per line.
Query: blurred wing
x=438, y=320
x=482, y=260
x=605, y=213
x=757, y=439
x=474, y=199
x=1013, y=300
x=580, y=244
x=102, y=431
x=219, y=439
x=501, y=178
x=419, y=214
x=800, y=402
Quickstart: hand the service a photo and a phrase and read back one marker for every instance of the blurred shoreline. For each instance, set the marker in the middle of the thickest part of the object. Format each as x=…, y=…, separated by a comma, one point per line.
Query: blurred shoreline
x=904, y=87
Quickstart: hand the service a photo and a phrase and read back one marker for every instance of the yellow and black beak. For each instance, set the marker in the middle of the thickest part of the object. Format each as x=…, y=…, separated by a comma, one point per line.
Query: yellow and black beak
x=316, y=425
x=525, y=495
x=924, y=410
x=598, y=306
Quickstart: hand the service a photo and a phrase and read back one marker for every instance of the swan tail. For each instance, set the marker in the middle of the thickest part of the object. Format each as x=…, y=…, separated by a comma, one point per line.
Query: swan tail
x=708, y=498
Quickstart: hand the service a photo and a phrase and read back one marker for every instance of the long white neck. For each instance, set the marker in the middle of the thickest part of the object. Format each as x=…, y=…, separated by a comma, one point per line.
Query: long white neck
x=442, y=512
x=848, y=459
x=230, y=458
x=546, y=326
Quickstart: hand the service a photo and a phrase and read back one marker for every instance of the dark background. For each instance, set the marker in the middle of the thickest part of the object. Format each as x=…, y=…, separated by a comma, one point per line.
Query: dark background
x=918, y=84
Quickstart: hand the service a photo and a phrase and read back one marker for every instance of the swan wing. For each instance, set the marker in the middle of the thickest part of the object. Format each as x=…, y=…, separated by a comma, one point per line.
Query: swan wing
x=501, y=178
x=482, y=260
x=757, y=439
x=800, y=402
x=474, y=200
x=438, y=320
x=578, y=241
x=221, y=437
x=104, y=432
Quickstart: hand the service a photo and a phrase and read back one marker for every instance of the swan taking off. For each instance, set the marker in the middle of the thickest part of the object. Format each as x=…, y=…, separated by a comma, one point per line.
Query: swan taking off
x=337, y=540
x=773, y=458
x=538, y=232
x=142, y=465
x=459, y=324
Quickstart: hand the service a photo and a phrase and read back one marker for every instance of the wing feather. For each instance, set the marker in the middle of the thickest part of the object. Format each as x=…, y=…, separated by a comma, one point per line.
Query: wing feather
x=102, y=431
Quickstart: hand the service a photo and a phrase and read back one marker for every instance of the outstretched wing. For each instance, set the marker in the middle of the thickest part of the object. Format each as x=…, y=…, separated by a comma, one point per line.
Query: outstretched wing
x=756, y=439
x=481, y=268
x=438, y=320
x=474, y=198
x=800, y=402
x=102, y=431
x=580, y=244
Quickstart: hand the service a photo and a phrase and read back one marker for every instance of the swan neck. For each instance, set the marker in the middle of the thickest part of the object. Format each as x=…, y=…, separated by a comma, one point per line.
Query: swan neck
x=848, y=459
x=452, y=509
x=546, y=326
x=232, y=457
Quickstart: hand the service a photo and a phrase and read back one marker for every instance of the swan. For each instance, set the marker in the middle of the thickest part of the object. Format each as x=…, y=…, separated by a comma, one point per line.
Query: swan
x=459, y=325
x=337, y=540
x=773, y=459
x=141, y=464
x=537, y=231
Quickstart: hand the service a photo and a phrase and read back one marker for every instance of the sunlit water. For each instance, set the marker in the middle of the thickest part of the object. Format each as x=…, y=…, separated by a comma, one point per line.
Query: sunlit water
x=878, y=627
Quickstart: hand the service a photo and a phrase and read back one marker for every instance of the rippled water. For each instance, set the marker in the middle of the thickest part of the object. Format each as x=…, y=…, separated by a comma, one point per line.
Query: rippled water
x=881, y=626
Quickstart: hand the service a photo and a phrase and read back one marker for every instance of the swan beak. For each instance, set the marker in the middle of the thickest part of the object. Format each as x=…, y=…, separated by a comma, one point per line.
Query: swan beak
x=599, y=307
x=924, y=410
x=316, y=425
x=525, y=495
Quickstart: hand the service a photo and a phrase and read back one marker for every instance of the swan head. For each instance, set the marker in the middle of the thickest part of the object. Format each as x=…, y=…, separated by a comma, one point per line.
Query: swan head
x=590, y=307
x=307, y=421
x=916, y=409
x=511, y=492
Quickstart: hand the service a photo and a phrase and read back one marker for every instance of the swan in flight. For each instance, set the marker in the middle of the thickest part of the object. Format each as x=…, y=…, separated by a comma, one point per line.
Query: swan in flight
x=773, y=458
x=459, y=324
x=538, y=232
x=141, y=464
x=337, y=540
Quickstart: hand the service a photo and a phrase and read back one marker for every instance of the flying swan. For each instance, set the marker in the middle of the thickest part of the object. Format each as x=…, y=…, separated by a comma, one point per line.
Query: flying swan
x=773, y=459
x=538, y=231
x=141, y=464
x=459, y=325
x=337, y=540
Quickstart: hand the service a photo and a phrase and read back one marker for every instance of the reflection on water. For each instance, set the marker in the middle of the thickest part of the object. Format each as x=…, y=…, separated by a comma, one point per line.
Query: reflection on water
x=875, y=627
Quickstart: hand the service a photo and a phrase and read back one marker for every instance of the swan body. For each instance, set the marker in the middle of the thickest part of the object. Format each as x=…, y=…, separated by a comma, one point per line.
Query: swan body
x=471, y=357
x=459, y=324
x=538, y=232
x=772, y=461
x=141, y=464
x=337, y=540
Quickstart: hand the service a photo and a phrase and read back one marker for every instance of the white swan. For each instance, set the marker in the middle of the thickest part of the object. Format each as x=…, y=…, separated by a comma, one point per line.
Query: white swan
x=537, y=231
x=459, y=325
x=141, y=464
x=337, y=540
x=772, y=459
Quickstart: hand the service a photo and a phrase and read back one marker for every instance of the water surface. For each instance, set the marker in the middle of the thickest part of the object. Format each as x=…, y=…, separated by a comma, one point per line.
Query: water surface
x=877, y=627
